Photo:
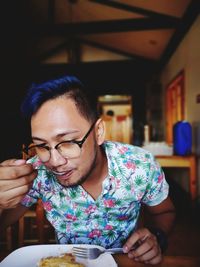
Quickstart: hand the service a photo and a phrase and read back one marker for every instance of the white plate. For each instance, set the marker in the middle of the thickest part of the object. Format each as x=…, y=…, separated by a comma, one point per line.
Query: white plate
x=30, y=255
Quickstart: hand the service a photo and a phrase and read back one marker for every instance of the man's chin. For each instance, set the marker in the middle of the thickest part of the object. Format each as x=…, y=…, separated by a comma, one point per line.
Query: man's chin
x=69, y=182
x=65, y=183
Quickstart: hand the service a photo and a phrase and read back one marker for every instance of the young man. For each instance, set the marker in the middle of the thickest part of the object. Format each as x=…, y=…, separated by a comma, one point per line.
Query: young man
x=92, y=190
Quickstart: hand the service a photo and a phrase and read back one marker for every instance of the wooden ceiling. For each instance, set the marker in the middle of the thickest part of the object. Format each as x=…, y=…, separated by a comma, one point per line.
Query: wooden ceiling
x=99, y=30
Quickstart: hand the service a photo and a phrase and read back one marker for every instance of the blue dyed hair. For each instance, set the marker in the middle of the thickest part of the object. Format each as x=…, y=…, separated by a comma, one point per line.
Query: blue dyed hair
x=68, y=86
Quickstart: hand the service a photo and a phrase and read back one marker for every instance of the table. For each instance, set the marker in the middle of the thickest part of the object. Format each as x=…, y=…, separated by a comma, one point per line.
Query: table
x=122, y=260
x=168, y=261
x=182, y=162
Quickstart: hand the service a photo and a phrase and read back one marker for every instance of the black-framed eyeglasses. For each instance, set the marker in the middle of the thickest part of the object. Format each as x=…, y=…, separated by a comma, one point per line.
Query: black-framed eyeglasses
x=68, y=149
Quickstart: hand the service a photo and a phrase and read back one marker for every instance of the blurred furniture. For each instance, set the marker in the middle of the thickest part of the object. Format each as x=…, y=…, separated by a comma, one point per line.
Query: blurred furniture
x=6, y=239
x=183, y=162
x=9, y=238
x=116, y=111
x=32, y=225
x=34, y=221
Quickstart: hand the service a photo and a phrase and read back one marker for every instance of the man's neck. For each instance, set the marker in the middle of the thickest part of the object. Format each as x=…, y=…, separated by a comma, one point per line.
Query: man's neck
x=93, y=184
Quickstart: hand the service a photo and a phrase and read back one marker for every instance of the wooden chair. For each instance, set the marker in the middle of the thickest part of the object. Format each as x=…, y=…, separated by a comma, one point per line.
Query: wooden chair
x=33, y=221
x=6, y=240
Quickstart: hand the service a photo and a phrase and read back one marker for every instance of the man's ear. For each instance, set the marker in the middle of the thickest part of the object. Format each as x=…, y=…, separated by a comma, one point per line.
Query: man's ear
x=100, y=131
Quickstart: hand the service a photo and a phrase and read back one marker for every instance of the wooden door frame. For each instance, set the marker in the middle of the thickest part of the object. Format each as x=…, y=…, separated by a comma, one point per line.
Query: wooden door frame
x=175, y=104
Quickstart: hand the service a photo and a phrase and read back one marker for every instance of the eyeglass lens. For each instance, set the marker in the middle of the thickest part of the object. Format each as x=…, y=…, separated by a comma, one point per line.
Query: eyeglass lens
x=67, y=150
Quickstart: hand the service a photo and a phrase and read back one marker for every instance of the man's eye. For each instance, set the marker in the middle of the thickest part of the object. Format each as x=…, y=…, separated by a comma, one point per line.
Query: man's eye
x=69, y=141
x=40, y=147
x=72, y=141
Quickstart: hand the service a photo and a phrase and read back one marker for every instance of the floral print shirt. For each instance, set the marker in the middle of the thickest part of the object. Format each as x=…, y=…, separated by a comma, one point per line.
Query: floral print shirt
x=134, y=178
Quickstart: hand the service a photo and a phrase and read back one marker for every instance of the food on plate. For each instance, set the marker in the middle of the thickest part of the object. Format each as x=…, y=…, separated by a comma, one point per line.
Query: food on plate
x=64, y=260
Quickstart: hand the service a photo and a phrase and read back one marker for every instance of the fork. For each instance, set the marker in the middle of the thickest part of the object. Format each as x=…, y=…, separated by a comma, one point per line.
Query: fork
x=93, y=253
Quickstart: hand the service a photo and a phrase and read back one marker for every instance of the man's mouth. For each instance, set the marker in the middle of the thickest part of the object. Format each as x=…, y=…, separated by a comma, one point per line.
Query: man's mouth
x=65, y=174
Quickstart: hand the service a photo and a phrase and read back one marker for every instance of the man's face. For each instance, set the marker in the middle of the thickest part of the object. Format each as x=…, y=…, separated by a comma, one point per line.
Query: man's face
x=58, y=120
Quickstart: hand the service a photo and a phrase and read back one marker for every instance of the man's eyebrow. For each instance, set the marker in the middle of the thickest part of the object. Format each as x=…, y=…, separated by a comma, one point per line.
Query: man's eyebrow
x=37, y=139
x=57, y=136
x=66, y=133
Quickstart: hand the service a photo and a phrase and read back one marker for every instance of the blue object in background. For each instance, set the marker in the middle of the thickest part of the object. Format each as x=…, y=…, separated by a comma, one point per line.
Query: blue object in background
x=182, y=138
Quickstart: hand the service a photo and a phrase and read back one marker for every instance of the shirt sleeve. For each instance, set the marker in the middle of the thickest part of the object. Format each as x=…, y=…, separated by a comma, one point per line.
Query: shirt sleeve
x=157, y=186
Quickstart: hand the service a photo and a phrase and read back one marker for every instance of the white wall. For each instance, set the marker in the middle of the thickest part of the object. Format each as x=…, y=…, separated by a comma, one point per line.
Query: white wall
x=187, y=57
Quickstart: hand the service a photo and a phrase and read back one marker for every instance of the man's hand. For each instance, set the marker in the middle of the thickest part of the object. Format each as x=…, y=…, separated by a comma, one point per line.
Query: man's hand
x=15, y=180
x=147, y=248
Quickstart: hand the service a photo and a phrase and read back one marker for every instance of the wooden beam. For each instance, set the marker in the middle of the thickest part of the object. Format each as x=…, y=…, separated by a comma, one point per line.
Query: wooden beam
x=135, y=9
x=114, y=50
x=97, y=27
x=182, y=29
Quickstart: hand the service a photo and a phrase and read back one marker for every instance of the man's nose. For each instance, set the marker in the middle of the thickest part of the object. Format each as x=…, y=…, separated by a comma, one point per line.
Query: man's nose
x=56, y=158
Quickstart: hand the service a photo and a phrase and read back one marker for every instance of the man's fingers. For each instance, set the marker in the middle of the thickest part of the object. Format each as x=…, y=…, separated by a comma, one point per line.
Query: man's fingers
x=15, y=181
x=14, y=172
x=147, y=250
x=6, y=185
x=11, y=162
x=155, y=260
x=19, y=162
x=12, y=203
x=13, y=196
x=136, y=238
